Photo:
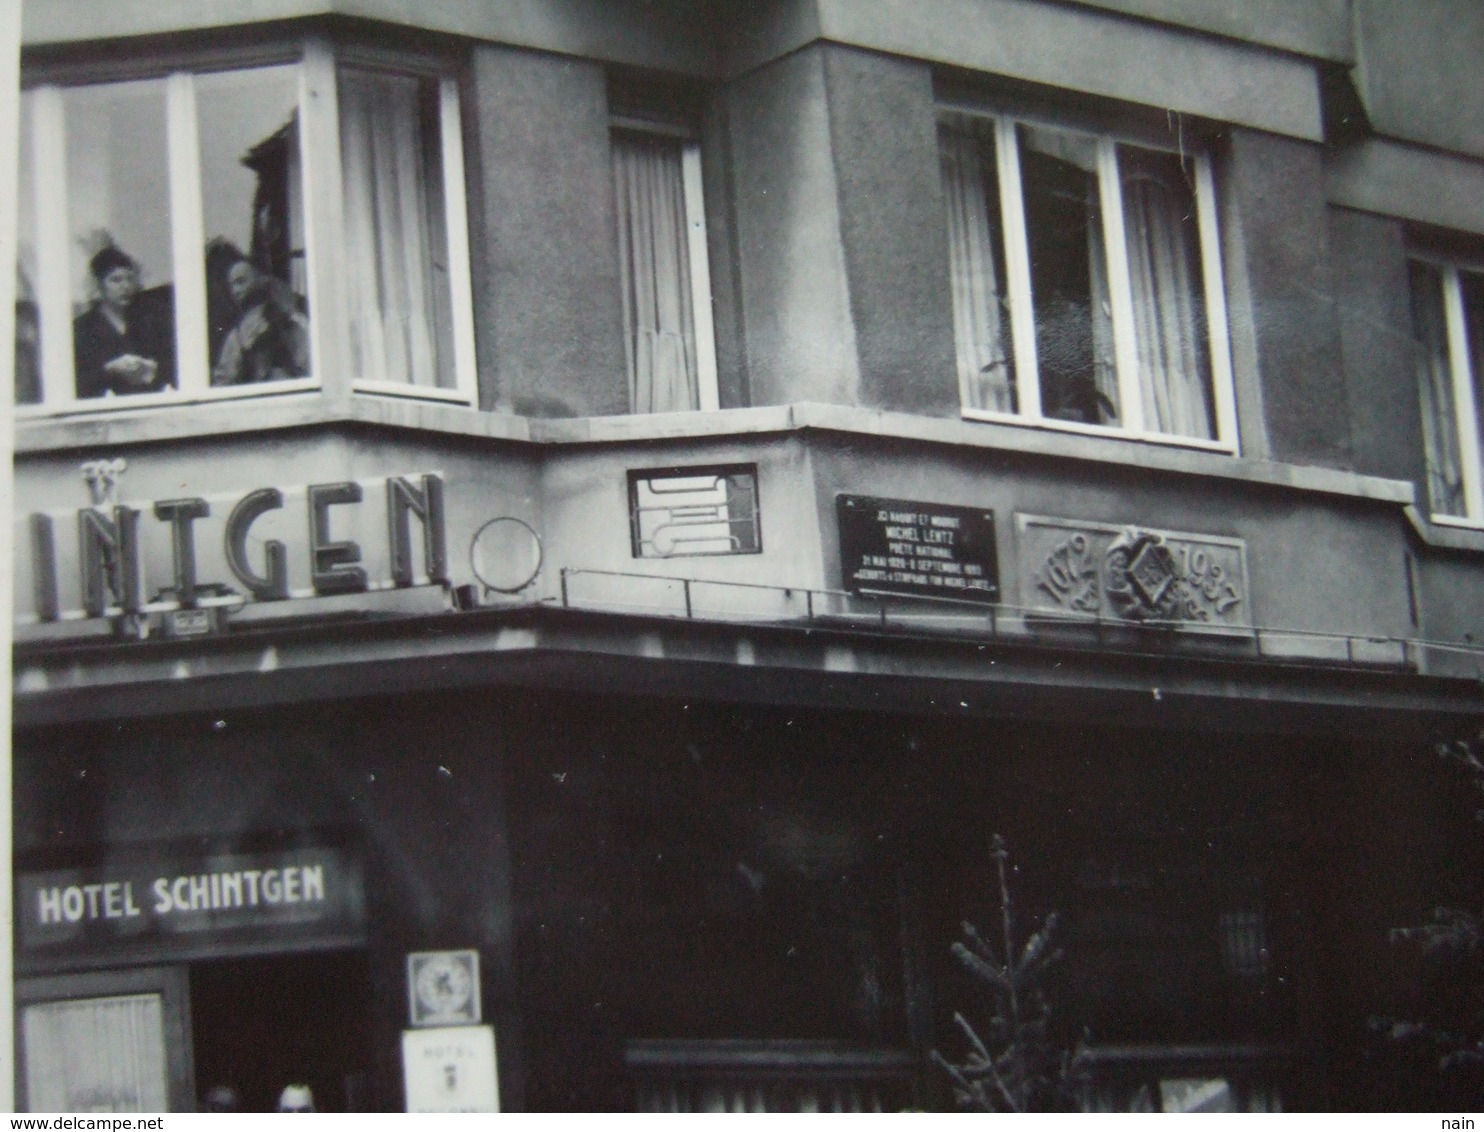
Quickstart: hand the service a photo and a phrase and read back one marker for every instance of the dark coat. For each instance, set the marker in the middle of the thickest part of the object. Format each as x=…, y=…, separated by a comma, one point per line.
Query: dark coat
x=150, y=334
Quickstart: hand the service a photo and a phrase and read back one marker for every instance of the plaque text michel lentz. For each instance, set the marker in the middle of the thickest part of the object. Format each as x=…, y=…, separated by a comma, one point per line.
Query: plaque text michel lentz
x=926, y=549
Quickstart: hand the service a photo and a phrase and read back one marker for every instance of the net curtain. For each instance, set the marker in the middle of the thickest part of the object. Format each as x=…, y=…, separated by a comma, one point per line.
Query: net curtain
x=1435, y=388
x=96, y=1055
x=654, y=262
x=1165, y=279
x=979, y=305
x=389, y=252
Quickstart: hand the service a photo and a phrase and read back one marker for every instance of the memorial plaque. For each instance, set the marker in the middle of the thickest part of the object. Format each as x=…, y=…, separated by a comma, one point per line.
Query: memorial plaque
x=1131, y=573
x=927, y=549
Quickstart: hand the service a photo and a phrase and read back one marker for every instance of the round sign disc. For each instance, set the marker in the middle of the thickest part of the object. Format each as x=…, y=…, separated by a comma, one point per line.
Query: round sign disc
x=506, y=555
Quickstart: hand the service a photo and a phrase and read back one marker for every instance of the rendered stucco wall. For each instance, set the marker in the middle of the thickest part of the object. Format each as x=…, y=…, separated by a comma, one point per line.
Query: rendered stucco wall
x=883, y=131
x=544, y=248
x=798, y=329
x=1371, y=297
x=1418, y=70
x=1284, y=326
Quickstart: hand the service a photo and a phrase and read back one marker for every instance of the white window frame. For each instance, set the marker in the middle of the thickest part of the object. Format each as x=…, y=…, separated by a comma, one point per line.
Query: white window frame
x=455, y=213
x=708, y=395
x=1465, y=400
x=1022, y=308
x=320, y=165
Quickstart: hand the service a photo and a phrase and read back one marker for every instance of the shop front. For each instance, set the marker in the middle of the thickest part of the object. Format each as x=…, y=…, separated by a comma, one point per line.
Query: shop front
x=168, y=973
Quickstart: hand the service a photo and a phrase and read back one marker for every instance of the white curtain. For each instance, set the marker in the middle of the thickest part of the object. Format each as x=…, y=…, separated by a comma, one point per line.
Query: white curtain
x=1104, y=355
x=782, y=1096
x=654, y=259
x=1435, y=388
x=980, y=306
x=1165, y=280
x=96, y=1055
x=393, y=262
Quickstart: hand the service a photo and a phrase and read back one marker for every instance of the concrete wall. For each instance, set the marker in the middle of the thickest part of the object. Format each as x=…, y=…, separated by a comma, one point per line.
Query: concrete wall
x=1371, y=289
x=1317, y=561
x=1312, y=565
x=799, y=334
x=1451, y=596
x=1284, y=327
x=668, y=34
x=1409, y=181
x=543, y=236
x=1060, y=45
x=883, y=132
x=1418, y=71
x=1320, y=28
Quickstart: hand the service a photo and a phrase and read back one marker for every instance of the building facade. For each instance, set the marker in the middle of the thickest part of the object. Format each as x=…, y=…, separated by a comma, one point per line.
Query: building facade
x=550, y=539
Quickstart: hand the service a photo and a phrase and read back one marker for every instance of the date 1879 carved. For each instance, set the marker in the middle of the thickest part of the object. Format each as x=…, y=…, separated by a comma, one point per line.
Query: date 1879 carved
x=1131, y=573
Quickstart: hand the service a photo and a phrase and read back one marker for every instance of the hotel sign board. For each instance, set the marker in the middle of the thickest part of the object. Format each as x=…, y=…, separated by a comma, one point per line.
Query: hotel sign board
x=925, y=549
x=190, y=906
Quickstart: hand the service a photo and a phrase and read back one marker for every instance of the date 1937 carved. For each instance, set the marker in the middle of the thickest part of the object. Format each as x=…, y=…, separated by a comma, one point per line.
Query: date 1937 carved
x=1140, y=576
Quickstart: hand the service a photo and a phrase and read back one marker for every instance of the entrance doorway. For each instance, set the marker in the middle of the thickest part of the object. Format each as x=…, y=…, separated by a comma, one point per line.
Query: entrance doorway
x=260, y=1024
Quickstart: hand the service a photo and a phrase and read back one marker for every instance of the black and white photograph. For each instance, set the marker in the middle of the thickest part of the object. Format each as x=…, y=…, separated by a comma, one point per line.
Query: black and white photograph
x=753, y=556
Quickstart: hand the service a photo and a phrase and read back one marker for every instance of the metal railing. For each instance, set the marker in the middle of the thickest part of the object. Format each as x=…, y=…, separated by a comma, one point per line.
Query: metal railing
x=769, y=1076
x=752, y=603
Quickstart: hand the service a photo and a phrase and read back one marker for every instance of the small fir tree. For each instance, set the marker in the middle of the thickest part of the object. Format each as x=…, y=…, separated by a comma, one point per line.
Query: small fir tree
x=1015, y=1066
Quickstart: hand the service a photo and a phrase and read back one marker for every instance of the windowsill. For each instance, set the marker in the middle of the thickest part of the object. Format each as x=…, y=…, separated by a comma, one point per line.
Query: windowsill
x=1447, y=531
x=413, y=392
x=1456, y=521
x=167, y=399
x=1110, y=432
x=147, y=424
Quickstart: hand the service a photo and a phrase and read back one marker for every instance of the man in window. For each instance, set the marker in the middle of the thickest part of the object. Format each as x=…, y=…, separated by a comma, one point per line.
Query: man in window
x=270, y=340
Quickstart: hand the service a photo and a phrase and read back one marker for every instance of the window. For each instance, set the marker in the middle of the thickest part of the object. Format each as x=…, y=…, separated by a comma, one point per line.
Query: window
x=685, y=512
x=669, y=343
x=1448, y=325
x=189, y=236
x=96, y=1055
x=1086, y=282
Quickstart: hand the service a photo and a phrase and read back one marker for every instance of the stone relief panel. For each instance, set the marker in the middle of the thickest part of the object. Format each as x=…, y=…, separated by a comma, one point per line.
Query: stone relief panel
x=1128, y=573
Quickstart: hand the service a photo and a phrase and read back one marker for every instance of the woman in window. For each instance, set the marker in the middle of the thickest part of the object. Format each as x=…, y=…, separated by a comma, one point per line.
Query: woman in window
x=121, y=343
x=270, y=340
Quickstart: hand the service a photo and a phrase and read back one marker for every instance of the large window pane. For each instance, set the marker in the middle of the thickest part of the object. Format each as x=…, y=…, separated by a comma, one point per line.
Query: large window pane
x=96, y=1055
x=1472, y=287
x=253, y=212
x=1069, y=276
x=1435, y=389
x=654, y=258
x=976, y=259
x=396, y=238
x=1162, y=233
x=119, y=238
x=27, y=270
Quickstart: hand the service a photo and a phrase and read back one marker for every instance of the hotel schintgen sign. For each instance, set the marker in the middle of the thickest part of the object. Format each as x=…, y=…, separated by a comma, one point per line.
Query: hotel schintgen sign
x=190, y=905
x=1131, y=573
x=261, y=544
